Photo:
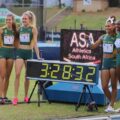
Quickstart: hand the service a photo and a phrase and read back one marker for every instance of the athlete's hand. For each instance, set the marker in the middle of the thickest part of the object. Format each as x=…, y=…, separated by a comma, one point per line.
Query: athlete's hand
x=39, y=58
x=86, y=37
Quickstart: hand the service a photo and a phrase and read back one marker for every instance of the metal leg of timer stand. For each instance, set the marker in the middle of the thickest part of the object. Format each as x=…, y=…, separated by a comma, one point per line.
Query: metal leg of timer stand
x=81, y=95
x=40, y=86
x=32, y=91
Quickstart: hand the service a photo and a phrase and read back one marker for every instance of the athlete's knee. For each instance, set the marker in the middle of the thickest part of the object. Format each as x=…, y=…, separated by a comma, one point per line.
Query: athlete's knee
x=2, y=76
x=7, y=77
x=114, y=88
x=17, y=75
x=114, y=85
x=105, y=87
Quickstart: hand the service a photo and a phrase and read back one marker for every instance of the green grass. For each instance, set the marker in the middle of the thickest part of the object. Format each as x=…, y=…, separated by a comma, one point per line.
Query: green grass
x=91, y=20
x=46, y=111
x=88, y=20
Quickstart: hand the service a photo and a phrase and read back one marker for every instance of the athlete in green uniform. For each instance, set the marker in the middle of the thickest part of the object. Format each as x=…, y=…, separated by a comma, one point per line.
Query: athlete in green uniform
x=8, y=37
x=108, y=48
x=27, y=41
x=108, y=63
x=26, y=37
x=117, y=44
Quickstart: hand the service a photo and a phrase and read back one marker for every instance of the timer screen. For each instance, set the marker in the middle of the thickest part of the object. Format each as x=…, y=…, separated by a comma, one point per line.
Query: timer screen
x=62, y=71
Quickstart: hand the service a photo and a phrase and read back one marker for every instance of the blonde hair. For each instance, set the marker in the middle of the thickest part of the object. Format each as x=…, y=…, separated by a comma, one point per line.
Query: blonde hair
x=31, y=16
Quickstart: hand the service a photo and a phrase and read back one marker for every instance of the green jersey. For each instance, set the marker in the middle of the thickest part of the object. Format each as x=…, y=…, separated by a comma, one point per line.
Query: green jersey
x=7, y=37
x=117, y=45
x=25, y=35
x=117, y=42
x=108, y=43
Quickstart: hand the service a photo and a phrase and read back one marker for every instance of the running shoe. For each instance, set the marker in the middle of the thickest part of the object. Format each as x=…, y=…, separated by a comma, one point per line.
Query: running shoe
x=6, y=100
x=2, y=100
x=109, y=109
x=15, y=101
x=26, y=99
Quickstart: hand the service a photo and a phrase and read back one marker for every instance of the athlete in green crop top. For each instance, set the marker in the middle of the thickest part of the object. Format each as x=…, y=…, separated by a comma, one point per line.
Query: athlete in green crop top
x=108, y=48
x=27, y=41
x=7, y=43
x=26, y=35
x=108, y=63
x=117, y=44
x=8, y=38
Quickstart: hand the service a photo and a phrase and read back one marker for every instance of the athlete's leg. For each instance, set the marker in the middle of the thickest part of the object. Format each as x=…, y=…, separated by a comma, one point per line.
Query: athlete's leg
x=2, y=75
x=105, y=78
x=26, y=84
x=18, y=67
x=114, y=85
x=9, y=66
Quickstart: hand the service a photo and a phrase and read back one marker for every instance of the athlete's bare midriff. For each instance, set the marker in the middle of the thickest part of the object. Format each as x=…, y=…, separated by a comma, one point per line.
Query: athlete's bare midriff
x=27, y=47
x=107, y=55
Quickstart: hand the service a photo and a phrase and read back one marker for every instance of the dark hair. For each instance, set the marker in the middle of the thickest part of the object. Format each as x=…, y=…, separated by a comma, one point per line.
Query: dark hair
x=15, y=30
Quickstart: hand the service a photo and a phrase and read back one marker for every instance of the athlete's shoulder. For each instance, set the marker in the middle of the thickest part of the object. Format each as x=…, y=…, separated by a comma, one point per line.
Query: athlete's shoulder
x=4, y=27
x=20, y=28
x=102, y=37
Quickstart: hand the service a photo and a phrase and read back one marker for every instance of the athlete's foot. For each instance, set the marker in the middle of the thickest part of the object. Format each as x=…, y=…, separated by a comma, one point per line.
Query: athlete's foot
x=2, y=100
x=15, y=101
x=109, y=109
x=6, y=100
x=26, y=99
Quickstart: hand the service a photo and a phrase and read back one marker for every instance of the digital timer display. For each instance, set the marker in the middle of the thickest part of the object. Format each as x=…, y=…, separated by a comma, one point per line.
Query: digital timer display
x=62, y=71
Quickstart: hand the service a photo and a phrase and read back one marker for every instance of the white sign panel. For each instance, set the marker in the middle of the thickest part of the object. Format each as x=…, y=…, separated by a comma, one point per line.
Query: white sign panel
x=87, y=2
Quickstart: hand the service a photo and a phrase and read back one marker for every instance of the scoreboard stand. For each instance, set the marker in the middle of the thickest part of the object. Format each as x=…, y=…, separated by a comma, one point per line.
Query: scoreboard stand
x=85, y=87
x=40, y=87
x=58, y=71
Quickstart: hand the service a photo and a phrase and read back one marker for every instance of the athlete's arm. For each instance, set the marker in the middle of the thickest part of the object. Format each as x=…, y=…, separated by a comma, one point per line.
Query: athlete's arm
x=96, y=44
x=34, y=42
x=1, y=30
x=93, y=45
